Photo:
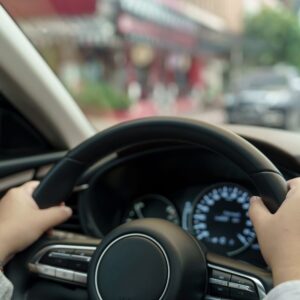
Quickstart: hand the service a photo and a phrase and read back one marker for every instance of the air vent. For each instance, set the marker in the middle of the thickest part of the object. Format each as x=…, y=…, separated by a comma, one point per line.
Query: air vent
x=73, y=224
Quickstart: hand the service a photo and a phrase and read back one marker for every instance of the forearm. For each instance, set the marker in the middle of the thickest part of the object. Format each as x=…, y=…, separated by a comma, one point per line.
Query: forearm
x=4, y=252
x=286, y=274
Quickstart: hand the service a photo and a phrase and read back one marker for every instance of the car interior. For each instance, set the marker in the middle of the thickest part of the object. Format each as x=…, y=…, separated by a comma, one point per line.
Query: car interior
x=164, y=198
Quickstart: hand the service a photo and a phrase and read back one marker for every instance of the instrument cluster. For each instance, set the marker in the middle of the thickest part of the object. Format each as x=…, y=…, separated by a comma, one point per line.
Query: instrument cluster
x=217, y=216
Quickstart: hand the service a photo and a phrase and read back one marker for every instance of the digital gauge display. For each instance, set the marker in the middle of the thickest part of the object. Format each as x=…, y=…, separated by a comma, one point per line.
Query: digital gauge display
x=220, y=219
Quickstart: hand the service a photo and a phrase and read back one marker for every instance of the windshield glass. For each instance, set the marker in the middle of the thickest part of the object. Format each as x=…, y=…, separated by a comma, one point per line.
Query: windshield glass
x=210, y=60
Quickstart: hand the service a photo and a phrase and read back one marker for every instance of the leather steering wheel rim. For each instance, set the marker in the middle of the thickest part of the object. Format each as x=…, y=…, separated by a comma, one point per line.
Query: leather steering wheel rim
x=59, y=182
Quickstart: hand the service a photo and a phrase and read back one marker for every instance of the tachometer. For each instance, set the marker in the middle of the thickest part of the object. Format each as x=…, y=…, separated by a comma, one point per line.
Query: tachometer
x=153, y=206
x=220, y=219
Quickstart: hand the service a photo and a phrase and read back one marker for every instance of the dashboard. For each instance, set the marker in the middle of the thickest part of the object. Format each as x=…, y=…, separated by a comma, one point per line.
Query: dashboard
x=195, y=188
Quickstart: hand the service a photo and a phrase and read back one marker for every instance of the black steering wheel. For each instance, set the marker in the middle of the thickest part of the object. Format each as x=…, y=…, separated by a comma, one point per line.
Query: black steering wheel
x=151, y=258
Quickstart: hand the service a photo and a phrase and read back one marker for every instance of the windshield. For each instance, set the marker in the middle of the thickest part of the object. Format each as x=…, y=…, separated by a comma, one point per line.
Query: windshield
x=205, y=59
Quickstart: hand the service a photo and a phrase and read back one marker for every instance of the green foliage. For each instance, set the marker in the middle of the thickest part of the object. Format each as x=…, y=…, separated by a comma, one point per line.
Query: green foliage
x=272, y=36
x=102, y=96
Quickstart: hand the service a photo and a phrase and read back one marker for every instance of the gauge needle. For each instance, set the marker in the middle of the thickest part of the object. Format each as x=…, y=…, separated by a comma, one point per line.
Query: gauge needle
x=138, y=209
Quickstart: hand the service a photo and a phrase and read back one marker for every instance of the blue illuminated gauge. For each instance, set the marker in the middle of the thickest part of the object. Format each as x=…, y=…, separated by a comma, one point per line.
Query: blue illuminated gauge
x=220, y=219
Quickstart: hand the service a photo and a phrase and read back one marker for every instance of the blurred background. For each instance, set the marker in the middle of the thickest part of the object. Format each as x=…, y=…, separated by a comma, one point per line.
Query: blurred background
x=234, y=61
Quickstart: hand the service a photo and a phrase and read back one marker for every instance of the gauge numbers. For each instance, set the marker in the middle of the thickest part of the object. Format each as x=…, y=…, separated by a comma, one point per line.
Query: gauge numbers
x=220, y=219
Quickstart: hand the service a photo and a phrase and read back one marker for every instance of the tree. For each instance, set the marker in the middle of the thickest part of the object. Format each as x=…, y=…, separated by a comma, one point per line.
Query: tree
x=272, y=36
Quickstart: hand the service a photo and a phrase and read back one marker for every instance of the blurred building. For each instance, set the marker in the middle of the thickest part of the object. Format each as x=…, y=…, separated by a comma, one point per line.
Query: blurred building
x=194, y=37
x=167, y=48
x=230, y=11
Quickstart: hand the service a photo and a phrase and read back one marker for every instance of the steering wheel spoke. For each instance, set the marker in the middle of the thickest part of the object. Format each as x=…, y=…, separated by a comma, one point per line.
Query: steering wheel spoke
x=64, y=262
x=231, y=279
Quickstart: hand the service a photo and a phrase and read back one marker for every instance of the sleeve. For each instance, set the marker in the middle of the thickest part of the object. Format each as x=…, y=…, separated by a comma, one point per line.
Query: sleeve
x=287, y=290
x=6, y=288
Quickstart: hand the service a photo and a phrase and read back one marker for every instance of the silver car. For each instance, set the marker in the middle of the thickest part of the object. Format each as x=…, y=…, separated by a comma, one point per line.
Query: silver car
x=266, y=97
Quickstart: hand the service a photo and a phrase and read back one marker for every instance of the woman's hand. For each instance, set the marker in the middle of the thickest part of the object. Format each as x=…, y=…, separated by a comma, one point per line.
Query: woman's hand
x=279, y=234
x=22, y=222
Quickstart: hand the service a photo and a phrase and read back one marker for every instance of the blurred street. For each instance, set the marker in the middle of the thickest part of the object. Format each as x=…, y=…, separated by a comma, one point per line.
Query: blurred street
x=214, y=116
x=207, y=59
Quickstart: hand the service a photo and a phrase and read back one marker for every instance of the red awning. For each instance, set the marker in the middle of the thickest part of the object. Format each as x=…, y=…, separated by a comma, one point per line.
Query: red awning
x=131, y=25
x=40, y=8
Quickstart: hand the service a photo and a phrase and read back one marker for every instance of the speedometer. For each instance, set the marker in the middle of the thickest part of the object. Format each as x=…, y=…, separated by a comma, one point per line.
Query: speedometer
x=220, y=219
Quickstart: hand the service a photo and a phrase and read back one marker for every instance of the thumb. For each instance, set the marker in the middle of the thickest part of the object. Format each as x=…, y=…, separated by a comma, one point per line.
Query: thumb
x=258, y=213
x=53, y=216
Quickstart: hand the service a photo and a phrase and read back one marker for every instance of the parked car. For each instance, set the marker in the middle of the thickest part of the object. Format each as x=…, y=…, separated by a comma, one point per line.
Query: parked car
x=266, y=97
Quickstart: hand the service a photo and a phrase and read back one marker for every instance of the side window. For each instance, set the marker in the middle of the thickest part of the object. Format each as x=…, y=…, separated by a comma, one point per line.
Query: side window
x=18, y=138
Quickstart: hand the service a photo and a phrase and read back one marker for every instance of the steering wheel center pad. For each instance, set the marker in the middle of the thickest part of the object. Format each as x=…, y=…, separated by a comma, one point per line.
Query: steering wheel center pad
x=148, y=259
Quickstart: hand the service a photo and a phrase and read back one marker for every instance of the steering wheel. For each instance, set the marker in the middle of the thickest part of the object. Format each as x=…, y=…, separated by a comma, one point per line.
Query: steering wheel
x=152, y=258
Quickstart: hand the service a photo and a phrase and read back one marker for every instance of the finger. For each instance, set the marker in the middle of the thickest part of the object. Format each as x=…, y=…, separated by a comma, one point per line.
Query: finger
x=294, y=189
x=293, y=183
x=258, y=213
x=292, y=193
x=53, y=216
x=30, y=186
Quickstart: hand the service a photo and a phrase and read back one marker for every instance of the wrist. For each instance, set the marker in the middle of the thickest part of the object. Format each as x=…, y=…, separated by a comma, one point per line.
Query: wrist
x=4, y=250
x=4, y=257
x=284, y=274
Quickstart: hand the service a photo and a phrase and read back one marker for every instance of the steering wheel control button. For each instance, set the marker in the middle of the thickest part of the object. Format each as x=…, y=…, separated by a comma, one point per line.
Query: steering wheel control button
x=55, y=259
x=64, y=274
x=208, y=297
x=80, y=258
x=221, y=275
x=77, y=265
x=219, y=290
x=82, y=252
x=80, y=277
x=242, y=288
x=223, y=284
x=68, y=263
x=241, y=294
x=59, y=255
x=76, y=262
x=245, y=283
x=45, y=270
x=218, y=281
x=242, y=291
